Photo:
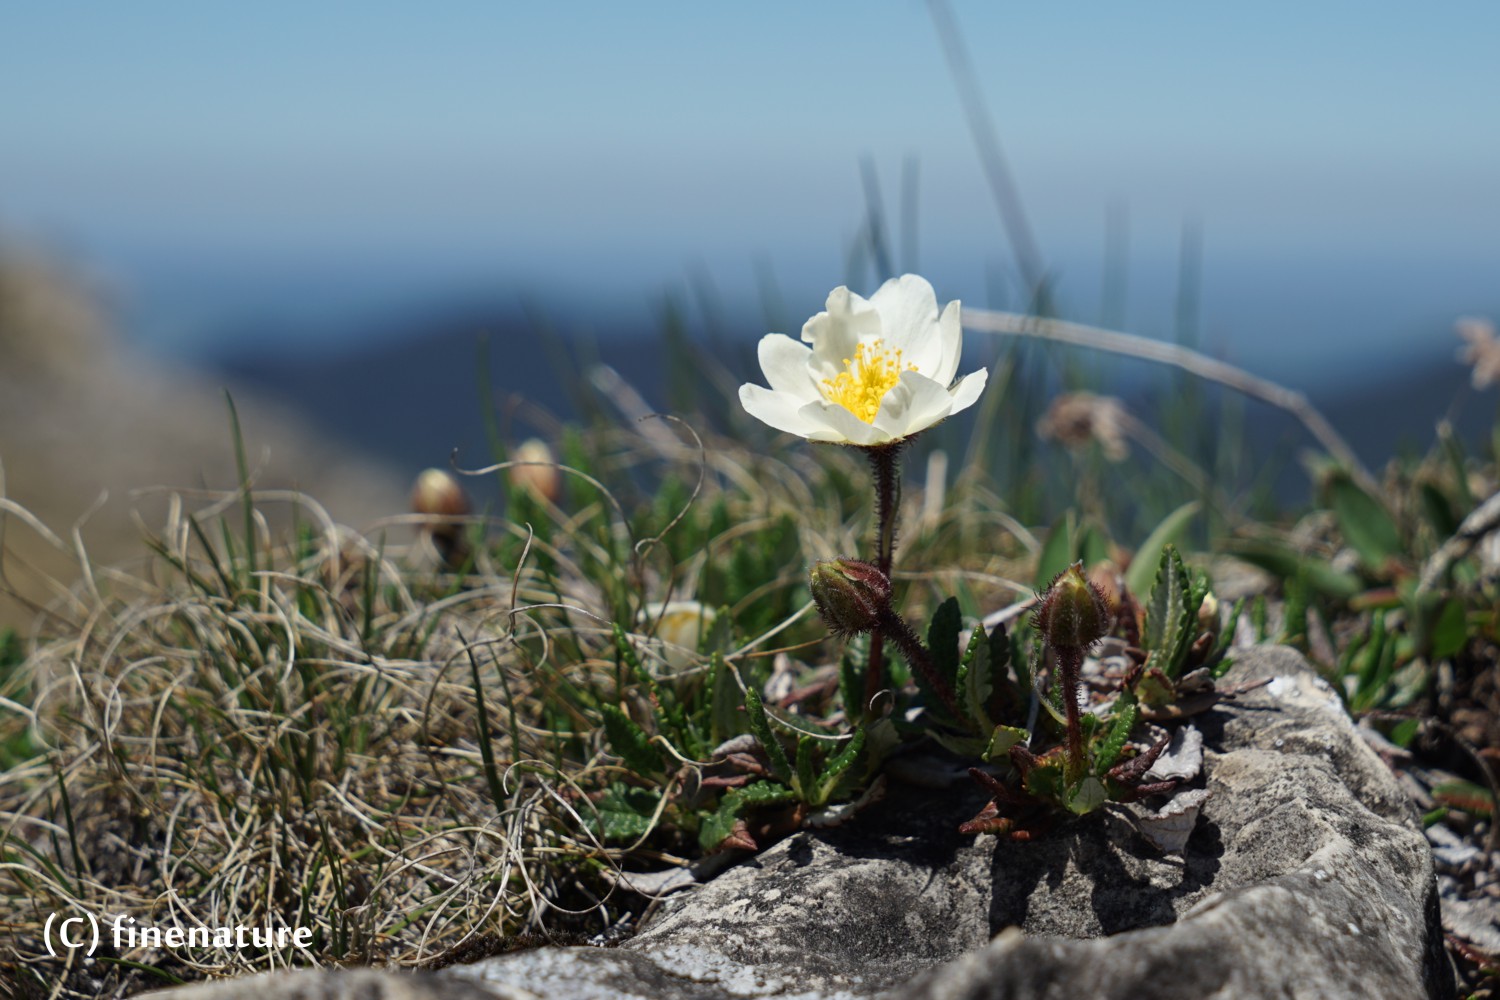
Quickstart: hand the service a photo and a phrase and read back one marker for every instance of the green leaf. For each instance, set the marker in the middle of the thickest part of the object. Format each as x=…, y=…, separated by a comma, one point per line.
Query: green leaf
x=838, y=765
x=1287, y=564
x=1170, y=623
x=1086, y=796
x=1119, y=732
x=806, y=783
x=1148, y=557
x=844, y=759
x=761, y=727
x=625, y=811
x=975, y=679
x=1057, y=552
x=724, y=700
x=1003, y=738
x=1450, y=633
x=720, y=823
x=1405, y=731
x=942, y=639
x=1365, y=523
x=1438, y=511
x=630, y=742
x=852, y=680
x=1002, y=696
x=763, y=793
x=1093, y=546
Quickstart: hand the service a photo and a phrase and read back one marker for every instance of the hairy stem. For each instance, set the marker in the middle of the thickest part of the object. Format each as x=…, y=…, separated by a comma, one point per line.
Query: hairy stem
x=904, y=639
x=885, y=470
x=1070, y=663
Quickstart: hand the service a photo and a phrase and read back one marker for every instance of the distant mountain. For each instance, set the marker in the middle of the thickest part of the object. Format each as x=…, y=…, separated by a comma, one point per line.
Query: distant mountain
x=415, y=396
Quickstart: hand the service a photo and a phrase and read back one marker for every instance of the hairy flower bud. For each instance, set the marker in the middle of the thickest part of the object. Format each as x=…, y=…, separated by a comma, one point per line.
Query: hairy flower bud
x=852, y=596
x=1072, y=612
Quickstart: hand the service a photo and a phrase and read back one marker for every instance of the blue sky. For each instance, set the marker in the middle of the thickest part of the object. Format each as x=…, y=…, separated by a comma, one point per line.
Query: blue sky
x=220, y=152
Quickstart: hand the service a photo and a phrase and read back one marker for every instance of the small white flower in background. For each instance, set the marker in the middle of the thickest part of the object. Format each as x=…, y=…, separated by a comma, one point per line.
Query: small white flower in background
x=1075, y=419
x=679, y=627
x=1482, y=352
x=878, y=370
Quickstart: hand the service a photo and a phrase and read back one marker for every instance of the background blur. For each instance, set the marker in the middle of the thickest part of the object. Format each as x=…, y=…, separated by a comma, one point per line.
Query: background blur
x=324, y=205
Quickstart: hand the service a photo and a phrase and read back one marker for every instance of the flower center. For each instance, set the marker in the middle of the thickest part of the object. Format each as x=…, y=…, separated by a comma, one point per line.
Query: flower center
x=865, y=380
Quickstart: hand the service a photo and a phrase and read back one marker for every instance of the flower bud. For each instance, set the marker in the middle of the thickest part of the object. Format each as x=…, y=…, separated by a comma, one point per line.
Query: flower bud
x=537, y=473
x=852, y=596
x=437, y=493
x=1208, y=613
x=1072, y=612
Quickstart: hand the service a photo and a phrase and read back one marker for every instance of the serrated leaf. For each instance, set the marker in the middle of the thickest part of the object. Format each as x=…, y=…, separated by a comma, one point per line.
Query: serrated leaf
x=625, y=811
x=724, y=700
x=764, y=793
x=629, y=742
x=1045, y=781
x=1148, y=557
x=976, y=680
x=1002, y=739
x=1365, y=523
x=1170, y=623
x=942, y=638
x=761, y=728
x=807, y=771
x=1057, y=551
x=844, y=759
x=718, y=825
x=1119, y=733
x=1002, y=693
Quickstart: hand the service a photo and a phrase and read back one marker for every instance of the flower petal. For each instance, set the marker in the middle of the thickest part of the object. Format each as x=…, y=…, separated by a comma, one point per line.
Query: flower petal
x=836, y=332
x=914, y=404
x=785, y=363
x=840, y=426
x=968, y=389
x=909, y=321
x=781, y=410
x=951, y=336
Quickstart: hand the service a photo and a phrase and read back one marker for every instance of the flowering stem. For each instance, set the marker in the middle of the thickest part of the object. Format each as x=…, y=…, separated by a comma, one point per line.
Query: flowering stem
x=885, y=469
x=1070, y=662
x=904, y=639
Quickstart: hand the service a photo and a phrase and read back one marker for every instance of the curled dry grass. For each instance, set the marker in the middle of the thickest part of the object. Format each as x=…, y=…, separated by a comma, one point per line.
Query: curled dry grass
x=326, y=732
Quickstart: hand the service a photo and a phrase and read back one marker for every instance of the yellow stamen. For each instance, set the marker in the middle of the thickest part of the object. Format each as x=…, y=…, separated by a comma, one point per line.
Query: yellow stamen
x=867, y=377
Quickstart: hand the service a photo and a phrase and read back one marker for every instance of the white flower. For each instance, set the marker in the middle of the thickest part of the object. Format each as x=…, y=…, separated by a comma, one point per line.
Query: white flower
x=878, y=370
x=1482, y=352
x=679, y=628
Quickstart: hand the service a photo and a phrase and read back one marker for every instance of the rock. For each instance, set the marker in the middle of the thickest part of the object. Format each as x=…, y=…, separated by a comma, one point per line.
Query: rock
x=343, y=984
x=1307, y=875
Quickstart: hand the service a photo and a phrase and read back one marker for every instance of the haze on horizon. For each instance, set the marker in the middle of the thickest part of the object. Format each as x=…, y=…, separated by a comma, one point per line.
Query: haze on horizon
x=1340, y=158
